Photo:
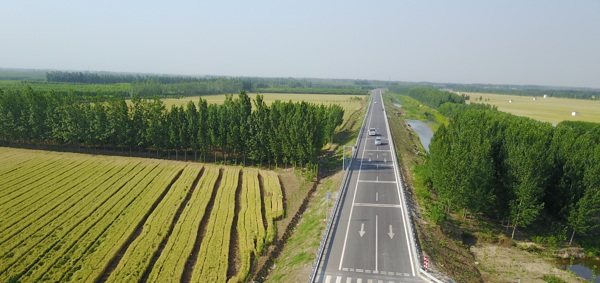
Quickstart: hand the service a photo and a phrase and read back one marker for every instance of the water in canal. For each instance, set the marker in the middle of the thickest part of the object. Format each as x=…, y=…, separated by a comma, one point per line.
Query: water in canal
x=588, y=269
x=423, y=131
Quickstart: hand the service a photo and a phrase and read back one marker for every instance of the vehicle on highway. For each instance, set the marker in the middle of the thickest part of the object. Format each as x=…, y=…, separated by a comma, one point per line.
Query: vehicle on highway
x=378, y=141
x=372, y=132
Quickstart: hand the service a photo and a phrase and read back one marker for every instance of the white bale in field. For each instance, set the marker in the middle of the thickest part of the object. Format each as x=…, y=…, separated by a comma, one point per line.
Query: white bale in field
x=574, y=113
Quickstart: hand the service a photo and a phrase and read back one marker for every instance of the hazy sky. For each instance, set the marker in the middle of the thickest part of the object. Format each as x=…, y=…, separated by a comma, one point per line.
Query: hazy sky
x=543, y=42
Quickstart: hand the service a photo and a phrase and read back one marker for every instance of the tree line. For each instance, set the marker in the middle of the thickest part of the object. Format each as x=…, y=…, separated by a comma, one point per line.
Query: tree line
x=431, y=97
x=517, y=169
x=283, y=132
x=116, y=78
x=577, y=93
x=166, y=85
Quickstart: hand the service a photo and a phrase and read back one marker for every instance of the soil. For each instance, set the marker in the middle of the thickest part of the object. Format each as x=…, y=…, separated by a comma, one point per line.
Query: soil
x=498, y=263
x=296, y=197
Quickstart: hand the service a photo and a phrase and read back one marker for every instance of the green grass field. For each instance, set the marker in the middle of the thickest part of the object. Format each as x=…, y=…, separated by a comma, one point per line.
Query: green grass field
x=82, y=218
x=553, y=110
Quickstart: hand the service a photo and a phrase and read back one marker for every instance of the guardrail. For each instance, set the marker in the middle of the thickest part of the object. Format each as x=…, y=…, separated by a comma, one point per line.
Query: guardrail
x=335, y=208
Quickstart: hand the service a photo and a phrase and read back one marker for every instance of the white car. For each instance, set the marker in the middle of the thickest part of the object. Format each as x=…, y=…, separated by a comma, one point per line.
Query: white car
x=378, y=141
x=372, y=132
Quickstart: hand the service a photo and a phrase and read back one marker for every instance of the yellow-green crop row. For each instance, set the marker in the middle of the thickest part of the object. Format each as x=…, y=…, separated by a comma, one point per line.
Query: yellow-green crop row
x=273, y=199
x=31, y=191
x=171, y=263
x=131, y=190
x=214, y=252
x=45, y=253
x=12, y=158
x=37, y=180
x=115, y=237
x=140, y=252
x=250, y=227
x=39, y=234
x=66, y=216
x=19, y=177
x=74, y=243
x=88, y=248
x=41, y=211
x=11, y=175
x=50, y=197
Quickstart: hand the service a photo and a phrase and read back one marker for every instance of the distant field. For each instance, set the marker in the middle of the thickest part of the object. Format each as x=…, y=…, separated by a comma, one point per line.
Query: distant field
x=83, y=218
x=343, y=100
x=350, y=103
x=553, y=110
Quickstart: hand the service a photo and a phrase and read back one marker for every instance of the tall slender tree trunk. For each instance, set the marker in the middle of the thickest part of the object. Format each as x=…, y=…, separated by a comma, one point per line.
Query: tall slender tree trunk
x=514, y=227
x=572, y=236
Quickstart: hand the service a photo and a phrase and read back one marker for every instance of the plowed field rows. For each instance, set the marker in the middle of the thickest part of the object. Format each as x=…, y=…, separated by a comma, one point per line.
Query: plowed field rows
x=84, y=218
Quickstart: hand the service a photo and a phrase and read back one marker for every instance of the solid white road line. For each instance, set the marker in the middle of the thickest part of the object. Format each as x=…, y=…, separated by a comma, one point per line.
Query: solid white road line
x=376, y=243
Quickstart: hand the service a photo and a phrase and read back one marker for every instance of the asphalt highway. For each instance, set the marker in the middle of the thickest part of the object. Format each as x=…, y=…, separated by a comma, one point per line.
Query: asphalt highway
x=369, y=242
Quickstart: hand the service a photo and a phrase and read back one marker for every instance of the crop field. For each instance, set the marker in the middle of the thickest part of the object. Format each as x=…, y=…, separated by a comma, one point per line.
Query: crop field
x=82, y=218
x=346, y=101
x=551, y=109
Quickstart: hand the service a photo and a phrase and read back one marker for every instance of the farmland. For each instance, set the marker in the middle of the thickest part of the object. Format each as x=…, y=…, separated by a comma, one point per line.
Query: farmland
x=350, y=103
x=551, y=109
x=81, y=218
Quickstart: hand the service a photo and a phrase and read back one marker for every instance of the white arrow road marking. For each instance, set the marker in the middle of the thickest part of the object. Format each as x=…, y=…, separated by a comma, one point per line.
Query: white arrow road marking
x=391, y=233
x=385, y=160
x=362, y=229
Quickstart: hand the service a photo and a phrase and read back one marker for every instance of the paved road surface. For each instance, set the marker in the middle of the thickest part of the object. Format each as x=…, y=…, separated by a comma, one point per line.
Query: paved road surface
x=369, y=242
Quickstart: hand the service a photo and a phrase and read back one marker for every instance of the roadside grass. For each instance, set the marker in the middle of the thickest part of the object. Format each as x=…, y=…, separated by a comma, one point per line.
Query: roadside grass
x=296, y=260
x=412, y=109
x=551, y=109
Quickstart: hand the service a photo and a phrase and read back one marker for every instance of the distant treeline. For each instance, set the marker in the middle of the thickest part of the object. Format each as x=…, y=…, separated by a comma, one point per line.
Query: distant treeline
x=579, y=93
x=112, y=78
x=428, y=96
x=163, y=86
x=283, y=132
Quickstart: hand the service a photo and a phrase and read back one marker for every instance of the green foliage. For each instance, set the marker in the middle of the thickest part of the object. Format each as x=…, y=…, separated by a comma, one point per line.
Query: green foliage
x=552, y=279
x=431, y=97
x=292, y=133
x=453, y=109
x=514, y=168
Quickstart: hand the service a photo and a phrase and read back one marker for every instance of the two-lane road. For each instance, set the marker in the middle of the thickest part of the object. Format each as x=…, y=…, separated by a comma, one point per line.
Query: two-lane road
x=369, y=241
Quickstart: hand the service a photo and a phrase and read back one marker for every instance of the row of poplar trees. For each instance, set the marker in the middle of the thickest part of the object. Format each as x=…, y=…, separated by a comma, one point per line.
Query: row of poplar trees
x=517, y=169
x=282, y=132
